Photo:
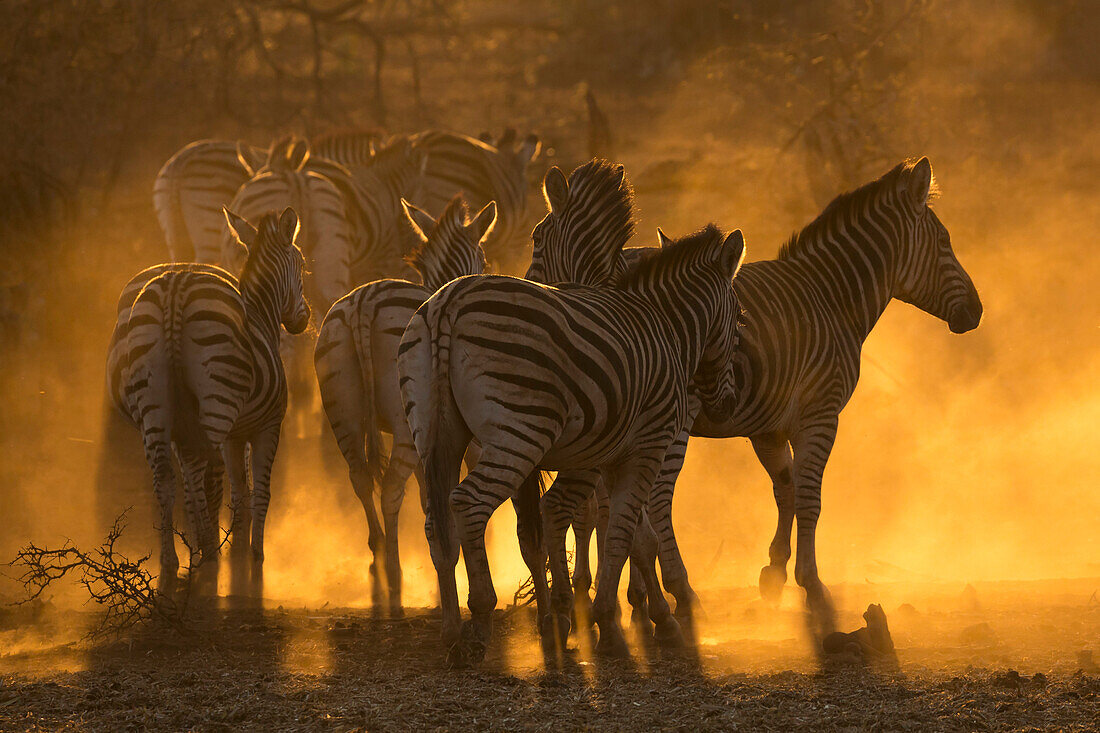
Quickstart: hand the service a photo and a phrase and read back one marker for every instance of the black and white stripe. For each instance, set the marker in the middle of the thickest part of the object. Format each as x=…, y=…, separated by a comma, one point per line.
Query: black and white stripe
x=194, y=364
x=570, y=377
x=807, y=314
x=356, y=363
x=190, y=191
x=457, y=164
x=325, y=238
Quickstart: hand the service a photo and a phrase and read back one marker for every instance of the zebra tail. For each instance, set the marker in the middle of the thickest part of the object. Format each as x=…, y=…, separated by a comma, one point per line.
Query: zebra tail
x=121, y=471
x=529, y=505
x=372, y=429
x=437, y=468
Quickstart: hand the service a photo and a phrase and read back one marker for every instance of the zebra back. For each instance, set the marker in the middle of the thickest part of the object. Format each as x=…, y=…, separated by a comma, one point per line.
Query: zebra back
x=190, y=191
x=481, y=173
x=590, y=218
x=348, y=147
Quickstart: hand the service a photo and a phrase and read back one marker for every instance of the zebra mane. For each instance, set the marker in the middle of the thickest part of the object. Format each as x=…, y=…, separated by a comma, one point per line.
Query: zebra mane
x=655, y=264
x=287, y=153
x=598, y=181
x=267, y=235
x=448, y=246
x=842, y=206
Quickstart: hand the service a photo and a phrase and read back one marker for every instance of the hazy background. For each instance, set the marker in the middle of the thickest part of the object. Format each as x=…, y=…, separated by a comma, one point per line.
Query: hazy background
x=959, y=458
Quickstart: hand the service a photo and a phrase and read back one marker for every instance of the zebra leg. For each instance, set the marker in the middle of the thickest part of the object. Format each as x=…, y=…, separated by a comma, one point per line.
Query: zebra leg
x=811, y=448
x=195, y=469
x=559, y=506
x=584, y=524
x=635, y=590
x=442, y=464
x=774, y=453
x=264, y=446
x=673, y=571
x=494, y=479
x=164, y=487
x=643, y=557
x=235, y=453
x=362, y=480
x=628, y=488
x=532, y=549
x=403, y=460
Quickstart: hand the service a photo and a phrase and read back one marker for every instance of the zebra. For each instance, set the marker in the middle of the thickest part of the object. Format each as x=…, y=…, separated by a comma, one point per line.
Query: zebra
x=562, y=377
x=481, y=172
x=196, y=366
x=373, y=177
x=348, y=147
x=356, y=364
x=325, y=238
x=191, y=189
x=590, y=219
x=807, y=314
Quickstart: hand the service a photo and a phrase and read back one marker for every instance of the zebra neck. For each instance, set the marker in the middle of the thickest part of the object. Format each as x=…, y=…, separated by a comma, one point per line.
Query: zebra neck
x=682, y=311
x=262, y=312
x=855, y=276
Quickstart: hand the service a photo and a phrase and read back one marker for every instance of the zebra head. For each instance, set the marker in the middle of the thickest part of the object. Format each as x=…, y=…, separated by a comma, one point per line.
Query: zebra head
x=272, y=274
x=590, y=219
x=930, y=276
x=695, y=274
x=714, y=377
x=452, y=246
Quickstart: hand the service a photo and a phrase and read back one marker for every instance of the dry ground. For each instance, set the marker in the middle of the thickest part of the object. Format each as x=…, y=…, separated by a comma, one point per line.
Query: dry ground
x=1001, y=656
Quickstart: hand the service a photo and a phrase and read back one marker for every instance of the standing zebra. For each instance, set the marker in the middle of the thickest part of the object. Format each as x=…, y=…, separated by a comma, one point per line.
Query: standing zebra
x=190, y=191
x=590, y=220
x=380, y=239
x=481, y=173
x=356, y=362
x=286, y=181
x=200, y=372
x=551, y=378
x=807, y=314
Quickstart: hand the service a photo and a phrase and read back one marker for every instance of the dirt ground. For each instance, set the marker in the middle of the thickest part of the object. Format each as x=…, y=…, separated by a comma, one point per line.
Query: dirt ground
x=997, y=656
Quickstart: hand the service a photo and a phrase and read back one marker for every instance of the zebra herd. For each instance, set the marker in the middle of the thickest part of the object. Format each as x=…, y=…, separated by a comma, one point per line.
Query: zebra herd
x=598, y=364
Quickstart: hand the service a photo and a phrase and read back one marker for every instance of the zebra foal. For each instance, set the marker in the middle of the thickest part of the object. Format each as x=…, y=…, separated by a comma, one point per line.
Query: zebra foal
x=356, y=363
x=194, y=364
x=551, y=378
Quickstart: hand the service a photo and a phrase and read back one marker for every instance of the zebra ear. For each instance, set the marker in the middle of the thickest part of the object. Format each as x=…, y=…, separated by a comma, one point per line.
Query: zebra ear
x=484, y=221
x=297, y=155
x=507, y=139
x=288, y=225
x=240, y=228
x=620, y=175
x=732, y=253
x=920, y=183
x=419, y=220
x=556, y=189
x=529, y=149
x=251, y=159
x=662, y=238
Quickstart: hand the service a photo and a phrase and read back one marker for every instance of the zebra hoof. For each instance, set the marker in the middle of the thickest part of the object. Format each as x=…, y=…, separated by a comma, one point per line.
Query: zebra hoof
x=470, y=648
x=772, y=580
x=554, y=629
x=668, y=634
x=641, y=622
x=612, y=645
